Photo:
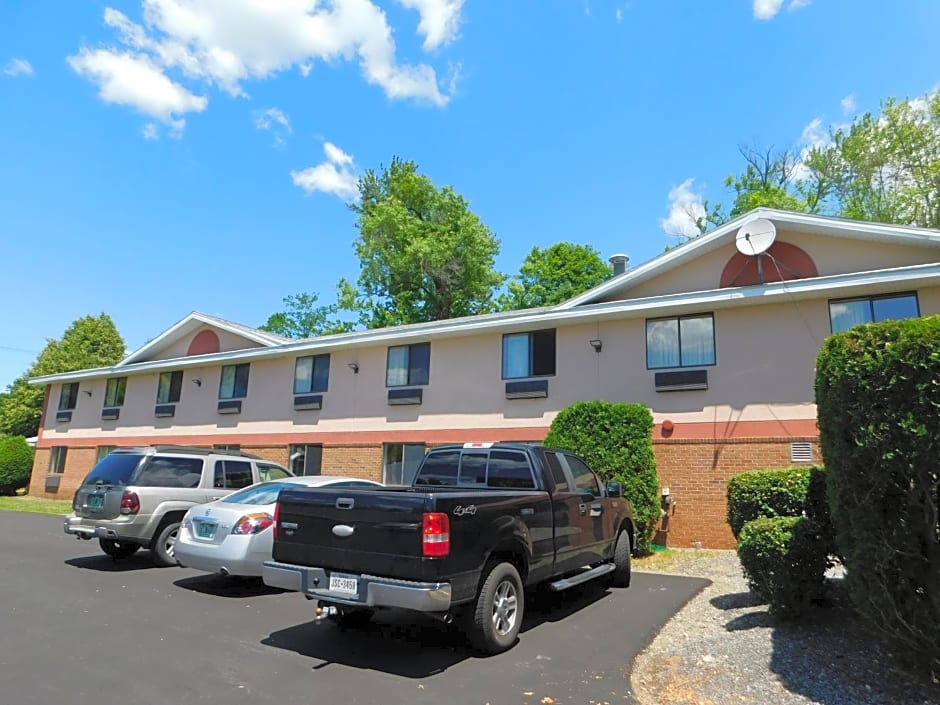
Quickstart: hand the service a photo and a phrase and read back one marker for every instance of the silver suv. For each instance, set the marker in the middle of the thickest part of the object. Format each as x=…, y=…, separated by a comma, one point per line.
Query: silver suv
x=136, y=497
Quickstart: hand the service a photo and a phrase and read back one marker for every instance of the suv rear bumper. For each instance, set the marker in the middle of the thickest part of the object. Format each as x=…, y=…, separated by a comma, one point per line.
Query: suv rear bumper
x=373, y=591
x=77, y=526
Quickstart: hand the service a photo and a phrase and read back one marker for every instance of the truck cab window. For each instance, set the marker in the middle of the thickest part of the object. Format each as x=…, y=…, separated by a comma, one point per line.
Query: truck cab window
x=439, y=469
x=585, y=480
x=509, y=469
x=473, y=469
x=558, y=474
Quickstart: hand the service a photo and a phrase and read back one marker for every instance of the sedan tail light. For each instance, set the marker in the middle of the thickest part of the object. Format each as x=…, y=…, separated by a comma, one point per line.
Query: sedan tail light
x=130, y=502
x=435, y=534
x=252, y=524
x=277, y=508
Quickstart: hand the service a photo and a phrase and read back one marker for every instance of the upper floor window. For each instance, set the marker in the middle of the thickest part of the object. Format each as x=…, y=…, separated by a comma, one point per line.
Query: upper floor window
x=311, y=374
x=682, y=341
x=114, y=392
x=168, y=388
x=529, y=354
x=408, y=365
x=234, y=383
x=68, y=396
x=848, y=313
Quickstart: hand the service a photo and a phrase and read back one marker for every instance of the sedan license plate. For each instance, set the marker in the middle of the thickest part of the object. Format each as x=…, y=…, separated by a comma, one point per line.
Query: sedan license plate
x=345, y=584
x=205, y=530
x=95, y=501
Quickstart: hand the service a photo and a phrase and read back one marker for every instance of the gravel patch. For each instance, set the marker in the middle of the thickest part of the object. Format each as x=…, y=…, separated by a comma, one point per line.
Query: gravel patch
x=723, y=648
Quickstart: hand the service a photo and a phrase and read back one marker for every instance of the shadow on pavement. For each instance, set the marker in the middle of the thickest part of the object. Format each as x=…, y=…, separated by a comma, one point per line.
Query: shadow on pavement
x=736, y=601
x=139, y=561
x=220, y=586
x=413, y=645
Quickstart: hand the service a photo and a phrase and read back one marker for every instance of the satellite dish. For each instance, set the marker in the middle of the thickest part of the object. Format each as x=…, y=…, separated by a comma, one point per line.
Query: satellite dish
x=755, y=237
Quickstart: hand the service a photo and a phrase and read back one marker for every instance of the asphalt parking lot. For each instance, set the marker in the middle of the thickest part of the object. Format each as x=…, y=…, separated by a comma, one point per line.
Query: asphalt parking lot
x=80, y=628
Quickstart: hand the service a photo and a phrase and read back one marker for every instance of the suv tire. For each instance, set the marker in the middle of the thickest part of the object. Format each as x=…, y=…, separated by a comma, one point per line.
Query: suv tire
x=118, y=549
x=161, y=549
x=496, y=618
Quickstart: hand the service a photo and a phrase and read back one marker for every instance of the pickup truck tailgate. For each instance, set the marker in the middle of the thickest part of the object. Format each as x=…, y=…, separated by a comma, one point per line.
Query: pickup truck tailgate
x=369, y=531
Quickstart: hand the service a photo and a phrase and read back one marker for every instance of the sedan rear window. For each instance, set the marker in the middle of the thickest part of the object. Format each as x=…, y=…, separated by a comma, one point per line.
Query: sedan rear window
x=113, y=469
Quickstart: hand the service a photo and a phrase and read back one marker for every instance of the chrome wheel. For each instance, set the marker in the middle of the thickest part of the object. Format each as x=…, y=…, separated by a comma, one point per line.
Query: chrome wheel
x=169, y=545
x=504, y=607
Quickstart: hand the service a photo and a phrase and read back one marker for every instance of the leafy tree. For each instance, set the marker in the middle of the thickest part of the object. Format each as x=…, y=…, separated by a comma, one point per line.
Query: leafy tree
x=16, y=463
x=305, y=319
x=424, y=255
x=92, y=341
x=553, y=275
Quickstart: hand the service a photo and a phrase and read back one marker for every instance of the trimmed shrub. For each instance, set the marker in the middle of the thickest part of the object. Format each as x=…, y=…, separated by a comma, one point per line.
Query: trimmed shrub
x=16, y=463
x=765, y=494
x=878, y=400
x=784, y=562
x=616, y=440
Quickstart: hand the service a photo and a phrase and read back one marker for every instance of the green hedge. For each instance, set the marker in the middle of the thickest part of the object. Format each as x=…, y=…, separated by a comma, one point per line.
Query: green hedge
x=878, y=399
x=616, y=440
x=16, y=463
x=784, y=561
x=765, y=494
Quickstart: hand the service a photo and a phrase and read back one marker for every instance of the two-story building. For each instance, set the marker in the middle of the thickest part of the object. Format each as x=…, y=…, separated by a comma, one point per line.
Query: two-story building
x=718, y=339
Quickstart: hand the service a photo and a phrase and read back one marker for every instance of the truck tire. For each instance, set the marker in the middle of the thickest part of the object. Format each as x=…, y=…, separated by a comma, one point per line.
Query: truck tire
x=495, y=620
x=620, y=577
x=118, y=549
x=161, y=549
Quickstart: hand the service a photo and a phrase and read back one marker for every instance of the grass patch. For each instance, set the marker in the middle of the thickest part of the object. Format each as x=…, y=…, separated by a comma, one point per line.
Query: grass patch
x=35, y=505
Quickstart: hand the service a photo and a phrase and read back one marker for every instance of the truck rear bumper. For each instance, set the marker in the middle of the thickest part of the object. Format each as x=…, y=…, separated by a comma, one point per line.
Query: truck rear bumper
x=372, y=590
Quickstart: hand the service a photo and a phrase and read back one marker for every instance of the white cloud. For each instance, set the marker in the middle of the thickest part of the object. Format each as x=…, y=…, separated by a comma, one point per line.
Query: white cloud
x=440, y=20
x=767, y=9
x=150, y=131
x=18, y=67
x=335, y=176
x=618, y=13
x=797, y=4
x=136, y=81
x=685, y=208
x=848, y=104
x=270, y=118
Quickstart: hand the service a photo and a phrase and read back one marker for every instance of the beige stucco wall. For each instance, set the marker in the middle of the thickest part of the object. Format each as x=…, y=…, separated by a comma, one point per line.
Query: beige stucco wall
x=832, y=255
x=764, y=372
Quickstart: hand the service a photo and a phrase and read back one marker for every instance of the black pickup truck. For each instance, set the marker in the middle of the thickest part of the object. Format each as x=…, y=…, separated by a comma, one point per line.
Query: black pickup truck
x=482, y=524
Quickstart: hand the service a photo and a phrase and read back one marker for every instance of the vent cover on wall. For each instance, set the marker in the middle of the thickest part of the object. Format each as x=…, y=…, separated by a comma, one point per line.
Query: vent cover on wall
x=801, y=452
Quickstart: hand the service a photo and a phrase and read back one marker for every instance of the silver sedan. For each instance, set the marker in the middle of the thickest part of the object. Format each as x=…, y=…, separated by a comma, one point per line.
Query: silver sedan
x=232, y=535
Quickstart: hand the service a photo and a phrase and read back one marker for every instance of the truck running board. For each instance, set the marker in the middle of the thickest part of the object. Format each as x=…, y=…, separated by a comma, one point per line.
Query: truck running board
x=595, y=572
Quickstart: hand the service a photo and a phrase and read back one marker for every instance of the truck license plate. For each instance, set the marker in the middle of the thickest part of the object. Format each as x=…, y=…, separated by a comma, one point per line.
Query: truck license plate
x=345, y=584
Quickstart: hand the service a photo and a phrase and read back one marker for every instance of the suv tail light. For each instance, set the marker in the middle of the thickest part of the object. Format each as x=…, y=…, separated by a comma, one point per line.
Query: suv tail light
x=130, y=502
x=277, y=508
x=253, y=523
x=435, y=534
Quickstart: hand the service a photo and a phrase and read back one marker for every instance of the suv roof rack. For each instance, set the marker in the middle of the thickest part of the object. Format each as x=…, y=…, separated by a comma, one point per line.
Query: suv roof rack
x=196, y=450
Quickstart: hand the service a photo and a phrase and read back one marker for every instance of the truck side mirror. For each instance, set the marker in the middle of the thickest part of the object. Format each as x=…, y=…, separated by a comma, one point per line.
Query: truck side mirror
x=614, y=489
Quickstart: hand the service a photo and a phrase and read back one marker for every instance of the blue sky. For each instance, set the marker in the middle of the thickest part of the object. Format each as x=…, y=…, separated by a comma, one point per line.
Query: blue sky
x=166, y=156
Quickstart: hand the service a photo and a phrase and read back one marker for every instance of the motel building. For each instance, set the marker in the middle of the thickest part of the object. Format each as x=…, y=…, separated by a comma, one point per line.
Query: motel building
x=718, y=337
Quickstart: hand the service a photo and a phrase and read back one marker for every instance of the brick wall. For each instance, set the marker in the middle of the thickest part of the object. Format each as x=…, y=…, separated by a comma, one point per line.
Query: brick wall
x=78, y=461
x=697, y=473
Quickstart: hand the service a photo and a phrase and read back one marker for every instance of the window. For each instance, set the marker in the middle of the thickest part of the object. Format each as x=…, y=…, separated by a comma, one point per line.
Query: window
x=686, y=341
x=529, y=354
x=558, y=475
x=232, y=474
x=473, y=468
x=57, y=460
x=509, y=469
x=305, y=459
x=114, y=392
x=848, y=313
x=103, y=451
x=271, y=472
x=400, y=462
x=226, y=446
x=440, y=469
x=170, y=472
x=234, y=383
x=408, y=365
x=311, y=374
x=168, y=388
x=68, y=396
x=585, y=481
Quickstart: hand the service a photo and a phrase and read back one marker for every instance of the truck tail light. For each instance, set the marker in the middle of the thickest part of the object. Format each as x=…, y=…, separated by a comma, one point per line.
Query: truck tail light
x=435, y=534
x=277, y=510
x=253, y=523
x=130, y=502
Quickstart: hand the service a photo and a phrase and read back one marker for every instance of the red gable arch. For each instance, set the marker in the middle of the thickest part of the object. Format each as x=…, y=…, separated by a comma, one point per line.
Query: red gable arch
x=782, y=262
x=205, y=342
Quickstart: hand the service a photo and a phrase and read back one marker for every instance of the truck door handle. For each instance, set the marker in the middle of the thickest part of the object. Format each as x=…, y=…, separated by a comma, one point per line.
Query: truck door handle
x=596, y=510
x=582, y=508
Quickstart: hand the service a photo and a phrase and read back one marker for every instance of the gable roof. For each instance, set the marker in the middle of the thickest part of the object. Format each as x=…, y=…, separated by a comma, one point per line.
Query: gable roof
x=193, y=322
x=723, y=235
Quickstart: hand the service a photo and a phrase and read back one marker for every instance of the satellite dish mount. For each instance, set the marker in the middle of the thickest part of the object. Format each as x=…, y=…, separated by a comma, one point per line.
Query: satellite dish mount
x=754, y=239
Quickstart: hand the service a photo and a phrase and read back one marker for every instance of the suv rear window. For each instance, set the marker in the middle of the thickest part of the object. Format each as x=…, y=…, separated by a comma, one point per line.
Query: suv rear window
x=170, y=472
x=113, y=469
